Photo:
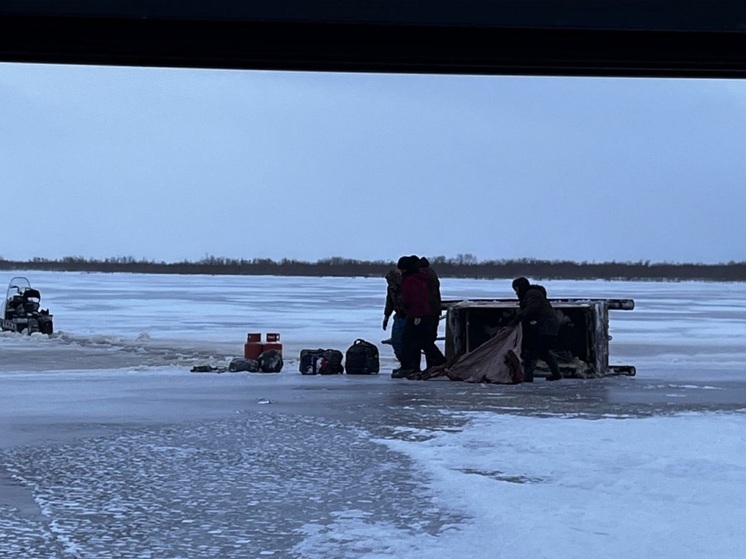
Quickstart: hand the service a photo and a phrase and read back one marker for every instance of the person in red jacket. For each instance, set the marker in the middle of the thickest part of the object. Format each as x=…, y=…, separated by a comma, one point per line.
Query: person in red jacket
x=433, y=356
x=415, y=303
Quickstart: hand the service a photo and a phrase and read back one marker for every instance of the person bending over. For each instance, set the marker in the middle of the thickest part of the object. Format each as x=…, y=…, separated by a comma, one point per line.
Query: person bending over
x=540, y=328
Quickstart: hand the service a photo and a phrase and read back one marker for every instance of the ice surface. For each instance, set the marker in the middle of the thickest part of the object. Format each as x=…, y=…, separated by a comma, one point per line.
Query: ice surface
x=111, y=448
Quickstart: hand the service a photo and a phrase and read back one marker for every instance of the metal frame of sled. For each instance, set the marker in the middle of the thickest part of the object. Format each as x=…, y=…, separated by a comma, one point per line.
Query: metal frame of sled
x=583, y=341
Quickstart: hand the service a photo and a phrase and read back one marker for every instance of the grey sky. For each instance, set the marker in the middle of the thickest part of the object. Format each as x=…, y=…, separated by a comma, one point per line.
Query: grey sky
x=169, y=164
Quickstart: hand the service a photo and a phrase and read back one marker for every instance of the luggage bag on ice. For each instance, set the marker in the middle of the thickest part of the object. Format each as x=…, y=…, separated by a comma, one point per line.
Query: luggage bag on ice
x=310, y=361
x=334, y=359
x=270, y=361
x=320, y=362
x=362, y=358
x=243, y=364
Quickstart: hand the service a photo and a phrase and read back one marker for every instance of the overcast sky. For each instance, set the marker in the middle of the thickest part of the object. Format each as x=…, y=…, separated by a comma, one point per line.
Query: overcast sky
x=172, y=164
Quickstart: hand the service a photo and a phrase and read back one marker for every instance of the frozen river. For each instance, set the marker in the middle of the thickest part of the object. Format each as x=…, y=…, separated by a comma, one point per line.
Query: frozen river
x=110, y=447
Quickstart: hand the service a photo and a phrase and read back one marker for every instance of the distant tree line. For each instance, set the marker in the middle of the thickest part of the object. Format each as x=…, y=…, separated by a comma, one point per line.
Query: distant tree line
x=460, y=266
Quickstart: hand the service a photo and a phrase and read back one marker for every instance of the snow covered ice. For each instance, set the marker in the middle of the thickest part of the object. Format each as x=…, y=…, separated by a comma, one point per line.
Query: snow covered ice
x=111, y=448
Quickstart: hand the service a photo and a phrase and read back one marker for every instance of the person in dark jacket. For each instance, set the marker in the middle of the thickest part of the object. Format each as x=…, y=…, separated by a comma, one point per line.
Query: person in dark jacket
x=540, y=328
x=393, y=307
x=414, y=301
x=433, y=355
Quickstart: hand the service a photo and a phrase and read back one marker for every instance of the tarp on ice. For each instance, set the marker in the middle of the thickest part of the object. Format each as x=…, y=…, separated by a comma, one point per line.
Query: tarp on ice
x=496, y=361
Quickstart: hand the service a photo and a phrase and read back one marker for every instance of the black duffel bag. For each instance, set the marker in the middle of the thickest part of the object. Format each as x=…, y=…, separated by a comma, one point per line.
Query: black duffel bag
x=320, y=362
x=311, y=360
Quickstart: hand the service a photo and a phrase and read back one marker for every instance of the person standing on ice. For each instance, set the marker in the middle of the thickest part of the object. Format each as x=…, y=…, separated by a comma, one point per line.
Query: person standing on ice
x=392, y=307
x=433, y=356
x=540, y=328
x=414, y=300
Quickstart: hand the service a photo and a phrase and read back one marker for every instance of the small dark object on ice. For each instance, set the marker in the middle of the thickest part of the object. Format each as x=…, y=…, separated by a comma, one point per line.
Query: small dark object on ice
x=207, y=369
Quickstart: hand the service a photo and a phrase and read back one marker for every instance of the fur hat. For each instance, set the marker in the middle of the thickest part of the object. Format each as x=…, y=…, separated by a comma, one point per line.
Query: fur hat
x=407, y=263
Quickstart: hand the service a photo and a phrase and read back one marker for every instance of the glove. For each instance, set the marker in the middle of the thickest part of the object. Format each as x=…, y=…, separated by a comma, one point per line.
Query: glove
x=385, y=322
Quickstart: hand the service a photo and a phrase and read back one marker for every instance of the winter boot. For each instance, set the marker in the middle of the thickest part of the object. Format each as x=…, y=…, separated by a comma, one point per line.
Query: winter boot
x=528, y=369
x=553, y=366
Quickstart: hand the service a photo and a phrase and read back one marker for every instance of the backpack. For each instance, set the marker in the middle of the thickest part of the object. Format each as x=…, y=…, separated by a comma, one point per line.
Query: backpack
x=270, y=361
x=362, y=358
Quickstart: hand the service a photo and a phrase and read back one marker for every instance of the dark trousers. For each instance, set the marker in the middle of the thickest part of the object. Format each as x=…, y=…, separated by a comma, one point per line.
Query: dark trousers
x=433, y=355
x=414, y=339
x=538, y=346
x=418, y=339
x=397, y=331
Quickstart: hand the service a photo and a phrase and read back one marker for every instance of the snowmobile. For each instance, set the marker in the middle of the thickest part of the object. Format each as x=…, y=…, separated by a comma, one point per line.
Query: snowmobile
x=21, y=309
